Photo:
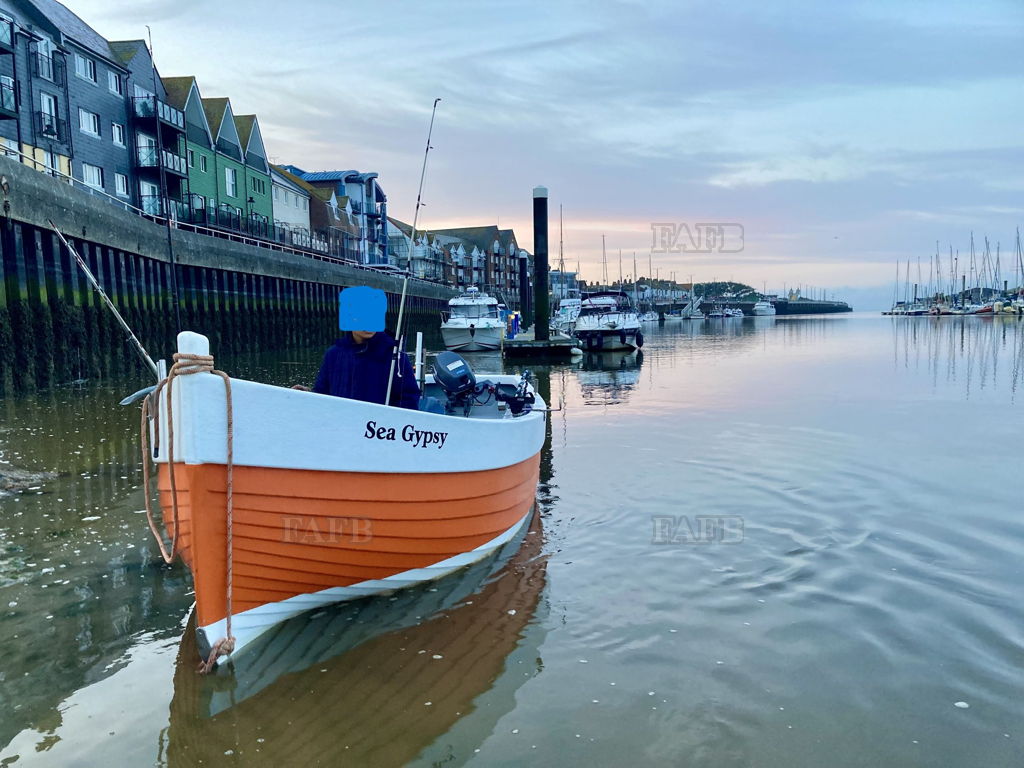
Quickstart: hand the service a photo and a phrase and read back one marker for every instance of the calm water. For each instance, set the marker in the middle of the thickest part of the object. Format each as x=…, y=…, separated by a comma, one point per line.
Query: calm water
x=864, y=577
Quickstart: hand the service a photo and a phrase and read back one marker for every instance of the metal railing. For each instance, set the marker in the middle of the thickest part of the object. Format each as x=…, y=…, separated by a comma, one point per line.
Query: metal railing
x=151, y=106
x=51, y=127
x=180, y=215
x=48, y=67
x=151, y=157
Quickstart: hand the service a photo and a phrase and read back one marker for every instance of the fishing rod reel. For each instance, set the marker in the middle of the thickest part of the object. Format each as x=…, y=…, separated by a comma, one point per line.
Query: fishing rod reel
x=453, y=374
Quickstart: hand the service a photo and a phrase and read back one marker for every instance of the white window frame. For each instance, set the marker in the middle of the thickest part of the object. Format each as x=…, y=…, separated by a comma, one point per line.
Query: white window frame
x=98, y=182
x=231, y=182
x=89, y=67
x=10, y=148
x=114, y=131
x=83, y=115
x=202, y=163
x=112, y=78
x=121, y=185
x=191, y=156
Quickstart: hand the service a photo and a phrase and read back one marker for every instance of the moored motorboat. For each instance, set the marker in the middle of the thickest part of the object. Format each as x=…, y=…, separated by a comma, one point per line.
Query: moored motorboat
x=608, y=321
x=473, y=323
x=308, y=500
x=763, y=307
x=733, y=312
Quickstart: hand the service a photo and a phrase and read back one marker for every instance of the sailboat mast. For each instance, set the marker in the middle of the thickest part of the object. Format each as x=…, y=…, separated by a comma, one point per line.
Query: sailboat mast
x=604, y=264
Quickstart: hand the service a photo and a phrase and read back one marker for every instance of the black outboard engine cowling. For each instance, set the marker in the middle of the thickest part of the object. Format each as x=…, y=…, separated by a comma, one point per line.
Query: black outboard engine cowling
x=453, y=374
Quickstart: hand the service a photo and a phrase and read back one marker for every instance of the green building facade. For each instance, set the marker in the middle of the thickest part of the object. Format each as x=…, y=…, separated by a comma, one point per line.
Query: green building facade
x=228, y=172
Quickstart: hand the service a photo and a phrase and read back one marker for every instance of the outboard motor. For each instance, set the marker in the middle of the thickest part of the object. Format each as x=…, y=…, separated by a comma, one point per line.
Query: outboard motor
x=456, y=378
x=453, y=374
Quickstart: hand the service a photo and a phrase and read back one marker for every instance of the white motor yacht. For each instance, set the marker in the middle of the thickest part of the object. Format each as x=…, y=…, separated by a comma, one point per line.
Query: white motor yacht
x=473, y=323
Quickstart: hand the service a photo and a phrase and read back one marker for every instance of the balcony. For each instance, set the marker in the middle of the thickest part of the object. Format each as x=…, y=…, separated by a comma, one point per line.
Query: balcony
x=8, y=102
x=6, y=36
x=51, y=127
x=151, y=108
x=151, y=157
x=49, y=68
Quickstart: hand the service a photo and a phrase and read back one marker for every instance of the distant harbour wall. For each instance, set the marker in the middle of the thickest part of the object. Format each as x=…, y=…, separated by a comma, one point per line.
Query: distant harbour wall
x=783, y=306
x=53, y=328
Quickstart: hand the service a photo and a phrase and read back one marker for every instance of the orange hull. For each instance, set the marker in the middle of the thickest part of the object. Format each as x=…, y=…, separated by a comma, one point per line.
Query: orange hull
x=298, y=532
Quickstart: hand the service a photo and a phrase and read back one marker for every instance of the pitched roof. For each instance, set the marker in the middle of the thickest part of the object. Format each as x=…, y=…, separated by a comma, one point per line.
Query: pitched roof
x=329, y=175
x=406, y=229
x=300, y=183
x=482, y=237
x=214, y=109
x=244, y=124
x=73, y=27
x=125, y=50
x=178, y=89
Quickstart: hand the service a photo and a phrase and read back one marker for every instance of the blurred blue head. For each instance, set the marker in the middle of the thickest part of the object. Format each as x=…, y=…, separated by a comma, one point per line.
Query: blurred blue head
x=362, y=308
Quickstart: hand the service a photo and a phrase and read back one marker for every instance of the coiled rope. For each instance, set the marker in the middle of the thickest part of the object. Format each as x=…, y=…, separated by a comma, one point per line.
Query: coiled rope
x=186, y=365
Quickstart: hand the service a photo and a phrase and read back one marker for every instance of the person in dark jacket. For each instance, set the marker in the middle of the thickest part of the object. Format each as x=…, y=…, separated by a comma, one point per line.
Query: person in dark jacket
x=357, y=367
x=358, y=364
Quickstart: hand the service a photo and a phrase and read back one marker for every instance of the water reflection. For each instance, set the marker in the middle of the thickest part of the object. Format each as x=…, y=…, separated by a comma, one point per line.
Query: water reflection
x=608, y=378
x=370, y=683
x=971, y=354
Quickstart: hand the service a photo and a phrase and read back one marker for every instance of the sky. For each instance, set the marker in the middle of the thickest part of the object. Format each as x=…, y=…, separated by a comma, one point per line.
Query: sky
x=842, y=137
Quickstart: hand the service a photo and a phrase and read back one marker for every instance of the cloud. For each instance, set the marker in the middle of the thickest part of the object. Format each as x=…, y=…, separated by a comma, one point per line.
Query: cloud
x=842, y=135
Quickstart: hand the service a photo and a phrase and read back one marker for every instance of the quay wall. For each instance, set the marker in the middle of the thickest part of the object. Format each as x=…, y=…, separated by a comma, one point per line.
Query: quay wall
x=54, y=329
x=783, y=306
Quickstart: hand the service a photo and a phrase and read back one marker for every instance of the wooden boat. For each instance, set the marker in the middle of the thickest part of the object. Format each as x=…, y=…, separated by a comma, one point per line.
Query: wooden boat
x=335, y=499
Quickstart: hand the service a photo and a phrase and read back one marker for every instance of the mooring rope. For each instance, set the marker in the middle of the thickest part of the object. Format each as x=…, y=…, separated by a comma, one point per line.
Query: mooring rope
x=186, y=365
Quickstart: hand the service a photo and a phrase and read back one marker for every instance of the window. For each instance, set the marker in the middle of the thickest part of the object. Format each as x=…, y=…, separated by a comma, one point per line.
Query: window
x=305, y=204
x=48, y=104
x=118, y=131
x=9, y=147
x=191, y=159
x=150, y=195
x=7, y=99
x=121, y=184
x=276, y=192
x=50, y=162
x=92, y=175
x=202, y=163
x=89, y=122
x=231, y=182
x=115, y=83
x=85, y=68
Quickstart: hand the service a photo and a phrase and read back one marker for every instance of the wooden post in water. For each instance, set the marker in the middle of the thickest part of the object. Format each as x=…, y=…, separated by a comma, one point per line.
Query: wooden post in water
x=542, y=310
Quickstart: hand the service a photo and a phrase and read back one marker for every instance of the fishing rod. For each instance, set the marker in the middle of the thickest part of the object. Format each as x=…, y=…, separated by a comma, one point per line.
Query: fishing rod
x=110, y=305
x=399, y=336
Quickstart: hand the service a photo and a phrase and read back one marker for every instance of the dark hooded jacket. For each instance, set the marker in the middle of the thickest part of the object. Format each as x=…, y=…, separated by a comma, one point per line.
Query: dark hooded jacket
x=360, y=372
